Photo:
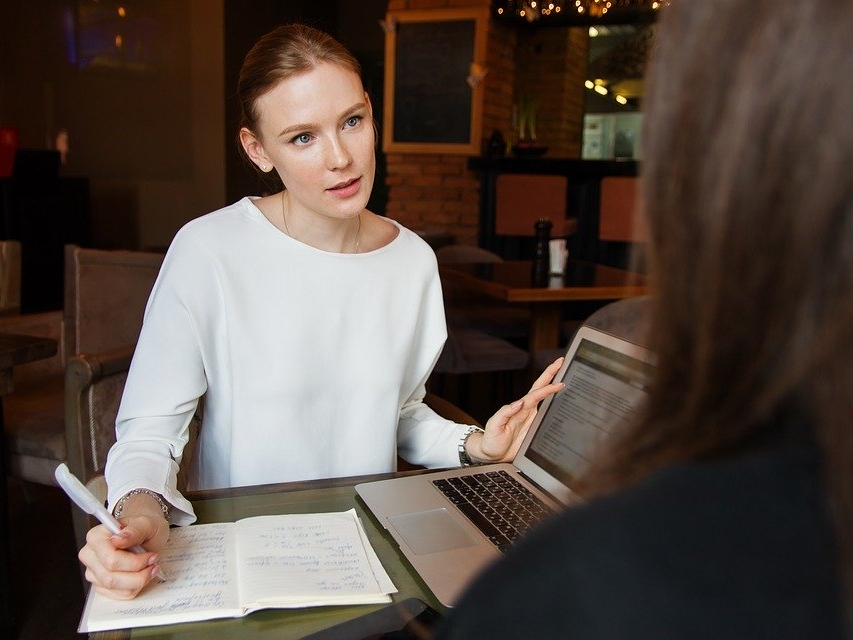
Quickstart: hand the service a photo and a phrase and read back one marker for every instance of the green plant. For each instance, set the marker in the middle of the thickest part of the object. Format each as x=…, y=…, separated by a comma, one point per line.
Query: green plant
x=527, y=107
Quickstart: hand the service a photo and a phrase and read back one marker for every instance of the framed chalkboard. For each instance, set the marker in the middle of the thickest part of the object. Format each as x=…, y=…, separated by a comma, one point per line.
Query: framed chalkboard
x=434, y=65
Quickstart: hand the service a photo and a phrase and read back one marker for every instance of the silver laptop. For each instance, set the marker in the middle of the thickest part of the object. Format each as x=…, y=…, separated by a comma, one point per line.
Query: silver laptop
x=449, y=524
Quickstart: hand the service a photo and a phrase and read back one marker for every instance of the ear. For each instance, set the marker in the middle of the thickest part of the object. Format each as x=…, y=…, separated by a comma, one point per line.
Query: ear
x=254, y=149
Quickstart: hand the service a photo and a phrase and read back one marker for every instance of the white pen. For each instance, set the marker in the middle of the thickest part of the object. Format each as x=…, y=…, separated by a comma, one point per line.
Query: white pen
x=87, y=501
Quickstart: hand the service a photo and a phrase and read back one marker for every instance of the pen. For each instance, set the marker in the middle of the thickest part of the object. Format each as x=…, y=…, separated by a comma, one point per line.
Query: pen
x=87, y=501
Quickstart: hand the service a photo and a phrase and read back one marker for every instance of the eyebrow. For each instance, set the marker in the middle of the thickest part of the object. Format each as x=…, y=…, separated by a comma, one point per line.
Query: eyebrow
x=296, y=128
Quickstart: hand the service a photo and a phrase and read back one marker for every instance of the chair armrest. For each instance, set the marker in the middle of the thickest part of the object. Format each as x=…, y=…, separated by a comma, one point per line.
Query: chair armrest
x=82, y=373
x=93, y=387
x=448, y=410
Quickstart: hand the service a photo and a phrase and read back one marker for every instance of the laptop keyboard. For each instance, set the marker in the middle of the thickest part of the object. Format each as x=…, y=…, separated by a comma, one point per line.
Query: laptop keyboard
x=496, y=503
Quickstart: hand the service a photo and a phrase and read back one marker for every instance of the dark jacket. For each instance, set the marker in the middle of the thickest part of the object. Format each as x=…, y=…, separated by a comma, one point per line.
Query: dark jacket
x=734, y=548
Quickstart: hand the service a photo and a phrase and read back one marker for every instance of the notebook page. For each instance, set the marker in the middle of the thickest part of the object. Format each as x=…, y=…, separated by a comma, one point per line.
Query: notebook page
x=199, y=563
x=307, y=560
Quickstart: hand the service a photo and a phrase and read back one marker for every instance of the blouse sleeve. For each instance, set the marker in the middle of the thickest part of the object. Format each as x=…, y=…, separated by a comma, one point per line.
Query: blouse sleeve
x=427, y=439
x=165, y=381
x=423, y=437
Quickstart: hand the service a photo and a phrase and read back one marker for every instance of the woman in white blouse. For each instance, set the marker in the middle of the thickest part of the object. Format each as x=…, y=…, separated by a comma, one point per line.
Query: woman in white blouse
x=309, y=324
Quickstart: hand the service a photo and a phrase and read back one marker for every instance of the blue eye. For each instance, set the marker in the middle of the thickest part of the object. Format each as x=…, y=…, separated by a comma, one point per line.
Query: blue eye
x=302, y=138
x=353, y=121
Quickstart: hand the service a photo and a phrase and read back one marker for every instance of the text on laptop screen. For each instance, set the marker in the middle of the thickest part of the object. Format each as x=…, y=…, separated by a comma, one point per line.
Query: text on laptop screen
x=603, y=390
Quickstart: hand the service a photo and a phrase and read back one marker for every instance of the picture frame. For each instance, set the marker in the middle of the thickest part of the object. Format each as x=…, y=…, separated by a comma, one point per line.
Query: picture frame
x=434, y=67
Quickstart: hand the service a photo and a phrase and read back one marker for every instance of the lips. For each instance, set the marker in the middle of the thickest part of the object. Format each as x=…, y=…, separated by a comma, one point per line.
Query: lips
x=346, y=188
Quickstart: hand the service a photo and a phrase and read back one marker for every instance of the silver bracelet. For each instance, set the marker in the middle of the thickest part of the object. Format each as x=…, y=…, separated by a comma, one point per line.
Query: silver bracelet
x=464, y=458
x=119, y=508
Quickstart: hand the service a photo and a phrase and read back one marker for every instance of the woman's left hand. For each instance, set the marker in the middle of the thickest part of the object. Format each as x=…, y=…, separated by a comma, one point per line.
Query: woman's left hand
x=506, y=429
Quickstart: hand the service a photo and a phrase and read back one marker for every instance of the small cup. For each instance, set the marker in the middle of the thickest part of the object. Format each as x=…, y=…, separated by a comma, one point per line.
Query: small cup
x=559, y=255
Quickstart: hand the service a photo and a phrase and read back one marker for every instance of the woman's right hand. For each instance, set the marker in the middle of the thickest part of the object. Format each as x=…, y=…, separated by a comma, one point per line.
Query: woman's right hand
x=113, y=570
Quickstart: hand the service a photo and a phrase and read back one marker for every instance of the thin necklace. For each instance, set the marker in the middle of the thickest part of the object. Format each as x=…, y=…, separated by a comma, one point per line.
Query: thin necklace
x=287, y=231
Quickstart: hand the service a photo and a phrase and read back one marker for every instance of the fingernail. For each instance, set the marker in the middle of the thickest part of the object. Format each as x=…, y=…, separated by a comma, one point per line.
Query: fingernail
x=153, y=560
x=157, y=574
x=124, y=533
x=516, y=404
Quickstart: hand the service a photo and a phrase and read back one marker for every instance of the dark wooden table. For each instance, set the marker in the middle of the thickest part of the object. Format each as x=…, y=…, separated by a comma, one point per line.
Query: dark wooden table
x=513, y=281
x=14, y=350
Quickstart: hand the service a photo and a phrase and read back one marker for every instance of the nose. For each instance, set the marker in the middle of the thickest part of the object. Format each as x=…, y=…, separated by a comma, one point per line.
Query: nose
x=338, y=155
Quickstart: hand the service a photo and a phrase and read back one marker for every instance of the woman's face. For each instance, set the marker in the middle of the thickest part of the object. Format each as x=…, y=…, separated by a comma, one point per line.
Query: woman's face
x=317, y=130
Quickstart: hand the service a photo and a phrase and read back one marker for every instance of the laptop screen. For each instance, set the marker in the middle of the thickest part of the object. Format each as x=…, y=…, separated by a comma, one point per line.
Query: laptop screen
x=604, y=388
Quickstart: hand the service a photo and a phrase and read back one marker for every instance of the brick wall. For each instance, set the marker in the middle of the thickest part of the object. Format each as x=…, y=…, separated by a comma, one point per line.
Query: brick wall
x=437, y=192
x=550, y=65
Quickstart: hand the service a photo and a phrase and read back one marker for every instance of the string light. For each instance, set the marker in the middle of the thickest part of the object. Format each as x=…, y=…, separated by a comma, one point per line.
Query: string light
x=573, y=10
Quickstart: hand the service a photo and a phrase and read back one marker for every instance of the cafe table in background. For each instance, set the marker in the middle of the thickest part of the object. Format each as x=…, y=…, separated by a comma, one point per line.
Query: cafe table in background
x=549, y=299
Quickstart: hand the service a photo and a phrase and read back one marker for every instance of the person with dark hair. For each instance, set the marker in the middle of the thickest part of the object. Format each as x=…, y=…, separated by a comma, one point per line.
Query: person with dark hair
x=309, y=324
x=726, y=511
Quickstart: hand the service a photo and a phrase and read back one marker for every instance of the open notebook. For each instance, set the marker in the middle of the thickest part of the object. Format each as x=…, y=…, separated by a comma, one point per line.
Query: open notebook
x=230, y=569
x=450, y=524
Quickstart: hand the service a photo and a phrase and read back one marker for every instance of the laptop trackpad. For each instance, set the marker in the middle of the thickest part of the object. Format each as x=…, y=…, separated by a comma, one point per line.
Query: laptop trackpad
x=431, y=531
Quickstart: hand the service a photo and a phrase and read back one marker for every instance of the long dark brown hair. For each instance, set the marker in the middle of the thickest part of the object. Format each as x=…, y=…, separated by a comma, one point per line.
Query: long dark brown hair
x=748, y=191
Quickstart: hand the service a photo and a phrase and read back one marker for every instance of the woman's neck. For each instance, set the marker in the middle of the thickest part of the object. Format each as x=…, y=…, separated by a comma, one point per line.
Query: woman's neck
x=321, y=232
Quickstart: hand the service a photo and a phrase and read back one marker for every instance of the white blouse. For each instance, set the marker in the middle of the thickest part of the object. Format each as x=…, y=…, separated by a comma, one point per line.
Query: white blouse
x=312, y=364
